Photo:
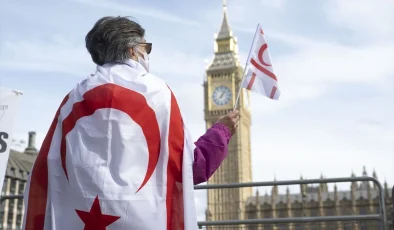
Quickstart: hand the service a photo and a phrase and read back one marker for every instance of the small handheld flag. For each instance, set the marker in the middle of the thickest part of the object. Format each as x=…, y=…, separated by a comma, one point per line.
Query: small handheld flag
x=259, y=73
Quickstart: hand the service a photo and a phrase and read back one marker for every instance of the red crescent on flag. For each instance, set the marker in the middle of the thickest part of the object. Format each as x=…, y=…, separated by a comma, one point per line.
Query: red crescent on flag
x=261, y=53
x=111, y=96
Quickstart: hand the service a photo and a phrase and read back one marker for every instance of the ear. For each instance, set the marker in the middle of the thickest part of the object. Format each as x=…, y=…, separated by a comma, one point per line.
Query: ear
x=132, y=54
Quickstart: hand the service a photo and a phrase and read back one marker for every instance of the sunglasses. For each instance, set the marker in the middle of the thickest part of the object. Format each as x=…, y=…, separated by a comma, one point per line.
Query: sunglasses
x=148, y=46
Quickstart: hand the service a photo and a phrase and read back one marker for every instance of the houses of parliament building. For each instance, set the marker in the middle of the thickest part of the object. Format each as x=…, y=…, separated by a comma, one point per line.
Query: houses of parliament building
x=223, y=80
x=223, y=77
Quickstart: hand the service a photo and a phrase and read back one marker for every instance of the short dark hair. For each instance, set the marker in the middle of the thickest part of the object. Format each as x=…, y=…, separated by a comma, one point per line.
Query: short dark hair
x=111, y=37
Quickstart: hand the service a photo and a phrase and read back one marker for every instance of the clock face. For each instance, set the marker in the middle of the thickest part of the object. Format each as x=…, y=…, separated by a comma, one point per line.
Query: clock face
x=221, y=95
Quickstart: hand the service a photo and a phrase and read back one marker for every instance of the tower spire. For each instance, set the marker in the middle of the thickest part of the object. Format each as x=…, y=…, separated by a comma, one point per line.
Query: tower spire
x=225, y=31
x=224, y=7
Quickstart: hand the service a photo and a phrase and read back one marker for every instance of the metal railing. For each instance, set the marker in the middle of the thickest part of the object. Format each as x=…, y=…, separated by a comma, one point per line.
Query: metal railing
x=381, y=216
x=378, y=217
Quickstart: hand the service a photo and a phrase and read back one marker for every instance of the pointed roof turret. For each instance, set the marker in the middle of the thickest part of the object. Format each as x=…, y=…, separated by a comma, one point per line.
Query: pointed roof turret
x=365, y=171
x=376, y=177
x=386, y=190
x=365, y=184
x=353, y=174
x=374, y=174
x=225, y=31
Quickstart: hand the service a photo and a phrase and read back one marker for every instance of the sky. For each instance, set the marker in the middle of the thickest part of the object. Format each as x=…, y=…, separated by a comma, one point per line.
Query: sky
x=334, y=60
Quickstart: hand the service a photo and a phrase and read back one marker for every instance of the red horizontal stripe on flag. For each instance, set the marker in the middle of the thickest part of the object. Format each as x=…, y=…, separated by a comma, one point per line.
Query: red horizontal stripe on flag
x=250, y=84
x=273, y=91
x=262, y=69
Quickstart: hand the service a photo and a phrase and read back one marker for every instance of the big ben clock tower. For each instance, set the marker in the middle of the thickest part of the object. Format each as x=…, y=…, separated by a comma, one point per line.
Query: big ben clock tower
x=224, y=76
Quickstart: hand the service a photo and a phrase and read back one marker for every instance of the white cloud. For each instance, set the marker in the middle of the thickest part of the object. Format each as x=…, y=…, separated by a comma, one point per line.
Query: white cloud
x=371, y=19
x=72, y=58
x=374, y=131
x=167, y=61
x=277, y=4
x=329, y=63
x=55, y=55
x=138, y=10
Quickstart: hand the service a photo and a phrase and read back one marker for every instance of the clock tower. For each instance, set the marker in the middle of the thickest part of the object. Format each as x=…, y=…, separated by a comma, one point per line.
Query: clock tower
x=223, y=79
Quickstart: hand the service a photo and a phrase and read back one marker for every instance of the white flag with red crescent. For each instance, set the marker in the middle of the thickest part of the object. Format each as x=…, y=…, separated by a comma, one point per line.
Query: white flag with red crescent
x=259, y=75
x=117, y=156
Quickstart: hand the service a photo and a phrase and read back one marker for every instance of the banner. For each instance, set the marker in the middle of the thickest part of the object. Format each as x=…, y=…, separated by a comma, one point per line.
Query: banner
x=8, y=109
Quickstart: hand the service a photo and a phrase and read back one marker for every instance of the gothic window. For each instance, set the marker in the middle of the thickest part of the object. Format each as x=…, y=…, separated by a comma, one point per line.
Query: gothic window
x=9, y=220
x=314, y=208
x=282, y=210
x=1, y=217
x=252, y=212
x=10, y=212
x=21, y=188
x=267, y=211
x=346, y=207
x=297, y=209
x=363, y=210
x=222, y=48
x=329, y=208
x=20, y=206
x=12, y=186
x=18, y=220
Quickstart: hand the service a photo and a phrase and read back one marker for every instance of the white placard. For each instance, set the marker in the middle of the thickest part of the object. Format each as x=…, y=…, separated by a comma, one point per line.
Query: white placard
x=8, y=108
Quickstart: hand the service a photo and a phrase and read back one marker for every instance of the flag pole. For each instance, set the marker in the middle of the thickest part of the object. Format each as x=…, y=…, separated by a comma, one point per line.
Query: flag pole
x=243, y=75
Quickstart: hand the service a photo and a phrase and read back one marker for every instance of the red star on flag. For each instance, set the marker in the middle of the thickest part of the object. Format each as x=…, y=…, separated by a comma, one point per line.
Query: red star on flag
x=94, y=219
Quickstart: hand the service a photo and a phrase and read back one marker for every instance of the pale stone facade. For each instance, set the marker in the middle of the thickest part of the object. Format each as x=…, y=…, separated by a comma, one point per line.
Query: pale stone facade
x=361, y=199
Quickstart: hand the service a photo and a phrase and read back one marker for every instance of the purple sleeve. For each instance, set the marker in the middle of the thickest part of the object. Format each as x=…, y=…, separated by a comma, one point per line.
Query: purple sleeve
x=211, y=149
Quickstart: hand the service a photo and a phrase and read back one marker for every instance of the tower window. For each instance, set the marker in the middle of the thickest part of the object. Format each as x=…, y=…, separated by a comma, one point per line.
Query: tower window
x=223, y=48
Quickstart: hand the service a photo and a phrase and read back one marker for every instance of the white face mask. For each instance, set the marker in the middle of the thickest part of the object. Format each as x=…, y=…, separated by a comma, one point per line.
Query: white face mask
x=143, y=61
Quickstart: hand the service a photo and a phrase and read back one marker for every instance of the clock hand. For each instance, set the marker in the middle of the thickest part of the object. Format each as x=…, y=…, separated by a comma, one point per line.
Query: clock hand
x=221, y=95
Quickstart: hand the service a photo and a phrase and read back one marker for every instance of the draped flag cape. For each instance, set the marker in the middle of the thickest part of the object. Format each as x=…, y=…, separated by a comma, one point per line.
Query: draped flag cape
x=117, y=156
